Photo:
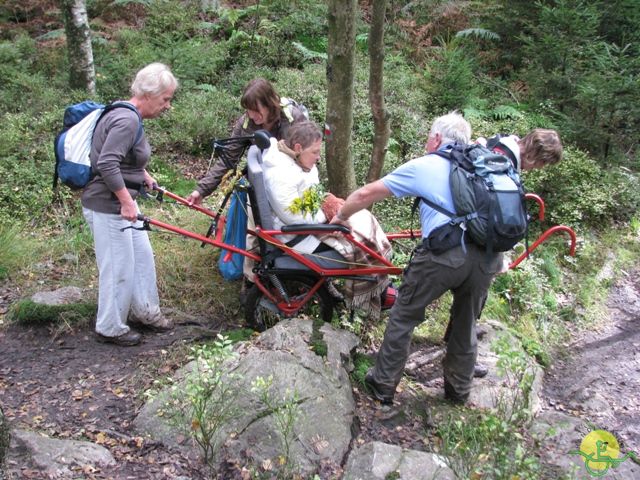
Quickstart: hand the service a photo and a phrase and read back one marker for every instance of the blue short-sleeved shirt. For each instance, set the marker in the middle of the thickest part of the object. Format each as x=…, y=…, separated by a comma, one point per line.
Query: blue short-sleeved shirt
x=426, y=177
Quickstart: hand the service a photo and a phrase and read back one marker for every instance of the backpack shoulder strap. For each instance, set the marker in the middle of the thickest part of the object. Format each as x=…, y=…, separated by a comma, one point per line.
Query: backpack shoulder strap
x=493, y=141
x=435, y=206
x=453, y=156
x=495, y=144
x=286, y=106
x=115, y=105
x=440, y=153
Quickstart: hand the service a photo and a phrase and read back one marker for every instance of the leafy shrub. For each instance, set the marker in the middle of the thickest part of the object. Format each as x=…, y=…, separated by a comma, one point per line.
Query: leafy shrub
x=21, y=51
x=197, y=117
x=27, y=83
x=484, y=445
x=27, y=165
x=307, y=86
x=306, y=21
x=203, y=401
x=169, y=22
x=118, y=61
x=450, y=80
x=579, y=191
x=487, y=118
x=284, y=412
x=198, y=61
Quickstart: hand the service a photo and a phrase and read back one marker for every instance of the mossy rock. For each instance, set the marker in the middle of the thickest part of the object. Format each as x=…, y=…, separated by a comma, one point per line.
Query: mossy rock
x=318, y=344
x=28, y=312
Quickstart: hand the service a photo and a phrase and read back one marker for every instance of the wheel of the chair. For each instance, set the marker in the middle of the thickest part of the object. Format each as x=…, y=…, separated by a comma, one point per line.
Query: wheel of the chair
x=261, y=314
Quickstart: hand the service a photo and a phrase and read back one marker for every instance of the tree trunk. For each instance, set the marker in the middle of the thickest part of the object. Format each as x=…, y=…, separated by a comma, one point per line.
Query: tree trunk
x=5, y=440
x=381, y=128
x=340, y=74
x=82, y=73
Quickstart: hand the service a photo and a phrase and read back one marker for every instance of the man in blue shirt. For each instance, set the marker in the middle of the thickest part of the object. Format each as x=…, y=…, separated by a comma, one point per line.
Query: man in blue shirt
x=444, y=261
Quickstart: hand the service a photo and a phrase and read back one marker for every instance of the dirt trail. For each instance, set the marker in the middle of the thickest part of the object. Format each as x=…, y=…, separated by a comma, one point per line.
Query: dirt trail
x=73, y=387
x=599, y=380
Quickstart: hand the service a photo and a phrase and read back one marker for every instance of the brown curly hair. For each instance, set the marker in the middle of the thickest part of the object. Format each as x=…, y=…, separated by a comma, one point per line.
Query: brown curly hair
x=541, y=146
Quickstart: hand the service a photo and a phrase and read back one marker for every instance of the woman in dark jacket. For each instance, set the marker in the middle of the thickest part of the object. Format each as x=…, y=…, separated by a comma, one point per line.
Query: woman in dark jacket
x=264, y=110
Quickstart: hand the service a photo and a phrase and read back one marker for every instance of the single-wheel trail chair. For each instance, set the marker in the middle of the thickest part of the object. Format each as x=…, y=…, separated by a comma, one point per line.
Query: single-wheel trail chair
x=288, y=283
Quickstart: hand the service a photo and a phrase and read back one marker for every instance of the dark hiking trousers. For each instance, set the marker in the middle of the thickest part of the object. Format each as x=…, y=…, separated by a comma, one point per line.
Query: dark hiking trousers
x=428, y=276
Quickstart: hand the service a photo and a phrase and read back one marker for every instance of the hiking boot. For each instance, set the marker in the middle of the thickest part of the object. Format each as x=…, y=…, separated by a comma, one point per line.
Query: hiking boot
x=454, y=397
x=160, y=326
x=128, y=339
x=380, y=393
x=388, y=297
x=480, y=370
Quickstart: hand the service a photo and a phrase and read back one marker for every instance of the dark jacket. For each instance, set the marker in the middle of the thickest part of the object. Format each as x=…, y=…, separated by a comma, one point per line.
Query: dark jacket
x=245, y=126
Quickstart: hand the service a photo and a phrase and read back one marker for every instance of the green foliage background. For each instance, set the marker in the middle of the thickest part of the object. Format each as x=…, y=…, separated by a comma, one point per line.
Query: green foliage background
x=507, y=76
x=506, y=65
x=510, y=66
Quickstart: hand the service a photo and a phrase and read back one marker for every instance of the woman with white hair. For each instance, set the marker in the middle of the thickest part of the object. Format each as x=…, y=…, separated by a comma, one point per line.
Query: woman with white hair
x=120, y=152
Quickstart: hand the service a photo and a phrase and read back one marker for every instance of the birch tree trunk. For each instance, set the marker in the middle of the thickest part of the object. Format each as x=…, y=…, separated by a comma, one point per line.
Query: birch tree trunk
x=381, y=127
x=82, y=73
x=340, y=74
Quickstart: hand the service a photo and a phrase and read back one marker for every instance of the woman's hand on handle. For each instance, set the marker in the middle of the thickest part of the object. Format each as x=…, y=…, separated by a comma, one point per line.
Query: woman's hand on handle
x=128, y=208
x=149, y=181
x=194, y=198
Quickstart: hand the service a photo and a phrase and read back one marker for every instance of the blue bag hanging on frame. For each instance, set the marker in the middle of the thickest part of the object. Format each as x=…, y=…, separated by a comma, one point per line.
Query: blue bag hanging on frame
x=235, y=234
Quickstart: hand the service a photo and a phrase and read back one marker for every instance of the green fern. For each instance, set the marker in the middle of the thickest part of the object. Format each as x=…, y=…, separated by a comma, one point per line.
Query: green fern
x=52, y=35
x=307, y=53
x=362, y=41
x=478, y=33
x=207, y=26
x=503, y=112
x=118, y=3
x=473, y=113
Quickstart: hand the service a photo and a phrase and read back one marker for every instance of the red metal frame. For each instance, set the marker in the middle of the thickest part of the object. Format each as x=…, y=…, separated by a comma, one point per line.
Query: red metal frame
x=271, y=236
x=184, y=201
x=290, y=308
x=539, y=201
x=542, y=238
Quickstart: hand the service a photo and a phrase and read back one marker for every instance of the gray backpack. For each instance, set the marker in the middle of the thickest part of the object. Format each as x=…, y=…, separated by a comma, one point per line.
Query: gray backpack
x=489, y=201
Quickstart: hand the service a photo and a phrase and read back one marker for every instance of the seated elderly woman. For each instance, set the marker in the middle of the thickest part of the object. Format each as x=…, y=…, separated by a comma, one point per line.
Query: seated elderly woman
x=295, y=196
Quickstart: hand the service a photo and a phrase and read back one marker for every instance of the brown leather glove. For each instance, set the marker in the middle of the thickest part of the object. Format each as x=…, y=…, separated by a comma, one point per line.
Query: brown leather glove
x=330, y=205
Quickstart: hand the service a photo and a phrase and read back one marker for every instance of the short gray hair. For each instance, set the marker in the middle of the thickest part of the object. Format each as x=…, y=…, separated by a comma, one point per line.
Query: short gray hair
x=153, y=79
x=452, y=127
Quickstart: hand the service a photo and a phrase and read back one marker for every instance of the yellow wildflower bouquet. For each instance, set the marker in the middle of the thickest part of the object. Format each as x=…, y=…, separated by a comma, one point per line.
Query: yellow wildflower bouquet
x=310, y=201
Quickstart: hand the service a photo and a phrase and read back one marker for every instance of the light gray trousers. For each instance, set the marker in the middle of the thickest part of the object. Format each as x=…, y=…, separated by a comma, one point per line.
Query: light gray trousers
x=127, y=274
x=427, y=277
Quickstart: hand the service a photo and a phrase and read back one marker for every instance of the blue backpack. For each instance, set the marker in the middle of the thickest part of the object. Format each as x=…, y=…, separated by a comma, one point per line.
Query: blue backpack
x=72, y=145
x=235, y=234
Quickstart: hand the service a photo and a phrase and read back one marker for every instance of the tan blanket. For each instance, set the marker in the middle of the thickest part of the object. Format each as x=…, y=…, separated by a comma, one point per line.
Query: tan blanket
x=361, y=294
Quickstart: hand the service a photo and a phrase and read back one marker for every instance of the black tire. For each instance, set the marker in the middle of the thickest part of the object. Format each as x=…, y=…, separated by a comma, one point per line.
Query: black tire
x=260, y=317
